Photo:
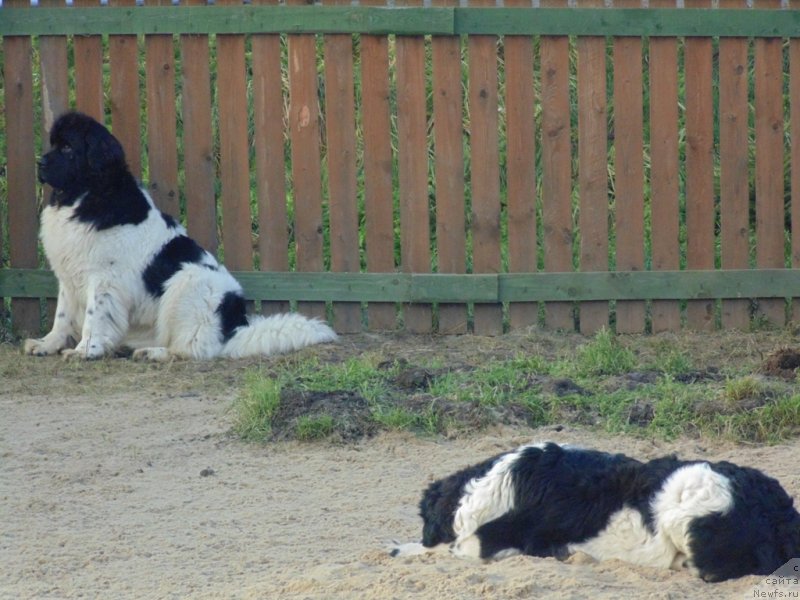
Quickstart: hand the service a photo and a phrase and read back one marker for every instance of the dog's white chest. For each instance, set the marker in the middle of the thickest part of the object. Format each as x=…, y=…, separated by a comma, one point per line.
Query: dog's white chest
x=67, y=244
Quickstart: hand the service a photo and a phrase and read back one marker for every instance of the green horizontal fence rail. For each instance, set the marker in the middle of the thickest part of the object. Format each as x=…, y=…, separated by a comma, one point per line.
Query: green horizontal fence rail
x=505, y=287
x=400, y=21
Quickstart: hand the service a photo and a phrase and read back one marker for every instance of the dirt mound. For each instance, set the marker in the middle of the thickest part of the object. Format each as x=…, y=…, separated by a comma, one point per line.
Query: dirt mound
x=784, y=363
x=339, y=416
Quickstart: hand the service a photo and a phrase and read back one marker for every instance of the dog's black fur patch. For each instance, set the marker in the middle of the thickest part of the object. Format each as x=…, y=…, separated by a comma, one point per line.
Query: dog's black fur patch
x=232, y=313
x=170, y=259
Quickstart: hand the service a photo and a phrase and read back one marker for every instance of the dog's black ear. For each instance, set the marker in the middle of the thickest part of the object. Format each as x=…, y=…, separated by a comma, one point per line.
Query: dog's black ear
x=103, y=150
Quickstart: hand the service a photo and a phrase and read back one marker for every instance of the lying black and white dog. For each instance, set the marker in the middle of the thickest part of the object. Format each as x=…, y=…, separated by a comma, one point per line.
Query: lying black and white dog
x=717, y=519
x=129, y=276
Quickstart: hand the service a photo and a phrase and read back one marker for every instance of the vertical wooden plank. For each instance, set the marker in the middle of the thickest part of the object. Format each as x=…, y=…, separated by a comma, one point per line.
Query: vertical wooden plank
x=162, y=146
x=734, y=165
x=769, y=162
x=378, y=193
x=342, y=193
x=593, y=173
x=556, y=170
x=699, y=168
x=198, y=142
x=629, y=169
x=54, y=71
x=413, y=168
x=123, y=55
x=20, y=171
x=306, y=165
x=237, y=235
x=448, y=137
x=88, y=51
x=664, y=169
x=794, y=94
x=521, y=167
x=268, y=102
x=485, y=176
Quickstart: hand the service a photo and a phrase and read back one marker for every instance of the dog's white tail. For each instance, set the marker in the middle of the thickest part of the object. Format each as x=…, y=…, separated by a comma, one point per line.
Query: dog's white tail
x=275, y=334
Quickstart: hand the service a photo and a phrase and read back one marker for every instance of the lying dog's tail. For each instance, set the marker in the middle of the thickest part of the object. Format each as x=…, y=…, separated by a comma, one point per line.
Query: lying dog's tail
x=276, y=334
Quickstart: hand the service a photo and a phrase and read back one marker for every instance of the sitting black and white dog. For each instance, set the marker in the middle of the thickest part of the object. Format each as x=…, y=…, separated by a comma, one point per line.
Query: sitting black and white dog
x=718, y=519
x=129, y=276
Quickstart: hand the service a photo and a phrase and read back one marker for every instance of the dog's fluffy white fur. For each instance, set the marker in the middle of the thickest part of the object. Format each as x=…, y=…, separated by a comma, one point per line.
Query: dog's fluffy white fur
x=130, y=277
x=717, y=519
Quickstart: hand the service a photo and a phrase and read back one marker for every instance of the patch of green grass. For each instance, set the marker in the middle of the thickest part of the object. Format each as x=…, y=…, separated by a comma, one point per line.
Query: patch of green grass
x=256, y=406
x=674, y=409
x=359, y=374
x=395, y=418
x=604, y=355
x=314, y=428
x=739, y=389
x=671, y=360
x=492, y=384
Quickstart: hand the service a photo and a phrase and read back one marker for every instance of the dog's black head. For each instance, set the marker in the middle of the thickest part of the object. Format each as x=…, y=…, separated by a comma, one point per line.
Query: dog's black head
x=84, y=156
x=440, y=502
x=437, y=509
x=86, y=169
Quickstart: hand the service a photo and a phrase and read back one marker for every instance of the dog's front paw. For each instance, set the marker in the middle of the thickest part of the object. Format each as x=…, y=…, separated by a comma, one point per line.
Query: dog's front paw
x=79, y=353
x=39, y=347
x=469, y=547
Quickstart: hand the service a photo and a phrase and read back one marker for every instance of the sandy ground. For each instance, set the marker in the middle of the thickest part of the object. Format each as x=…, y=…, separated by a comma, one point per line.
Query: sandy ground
x=143, y=495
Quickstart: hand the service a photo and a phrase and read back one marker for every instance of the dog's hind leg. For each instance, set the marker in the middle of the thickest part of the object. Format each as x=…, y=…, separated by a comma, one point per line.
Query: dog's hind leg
x=64, y=332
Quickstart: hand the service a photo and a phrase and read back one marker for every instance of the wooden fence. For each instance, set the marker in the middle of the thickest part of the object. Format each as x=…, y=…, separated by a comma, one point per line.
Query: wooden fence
x=438, y=168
